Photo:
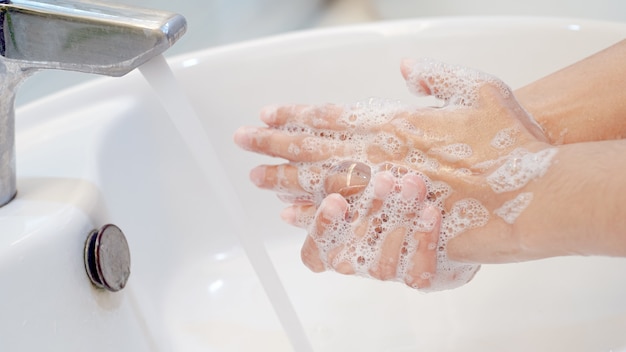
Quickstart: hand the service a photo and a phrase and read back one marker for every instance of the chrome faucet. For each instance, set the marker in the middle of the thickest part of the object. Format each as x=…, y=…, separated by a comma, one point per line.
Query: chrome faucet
x=84, y=36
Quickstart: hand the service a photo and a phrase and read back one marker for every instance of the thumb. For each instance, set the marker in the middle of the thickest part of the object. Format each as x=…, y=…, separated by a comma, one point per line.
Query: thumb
x=455, y=85
x=410, y=69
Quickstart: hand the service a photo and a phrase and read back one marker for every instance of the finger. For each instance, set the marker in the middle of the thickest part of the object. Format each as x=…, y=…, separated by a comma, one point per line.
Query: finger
x=319, y=248
x=310, y=255
x=387, y=266
x=415, y=82
x=332, y=211
x=455, y=85
x=384, y=183
x=299, y=147
x=301, y=216
x=347, y=178
x=413, y=188
x=425, y=257
x=279, y=178
x=326, y=117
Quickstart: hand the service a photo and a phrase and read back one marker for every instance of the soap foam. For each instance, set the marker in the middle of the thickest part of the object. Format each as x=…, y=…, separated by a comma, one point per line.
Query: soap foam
x=420, y=161
x=519, y=168
x=369, y=113
x=455, y=85
x=453, y=152
x=509, y=211
x=388, y=143
x=505, y=138
x=294, y=149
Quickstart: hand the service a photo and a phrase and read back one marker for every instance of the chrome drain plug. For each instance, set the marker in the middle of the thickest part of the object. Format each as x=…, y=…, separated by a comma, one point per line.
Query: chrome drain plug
x=107, y=258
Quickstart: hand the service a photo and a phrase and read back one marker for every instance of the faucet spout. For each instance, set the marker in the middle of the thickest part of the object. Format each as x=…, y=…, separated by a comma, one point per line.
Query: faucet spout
x=84, y=36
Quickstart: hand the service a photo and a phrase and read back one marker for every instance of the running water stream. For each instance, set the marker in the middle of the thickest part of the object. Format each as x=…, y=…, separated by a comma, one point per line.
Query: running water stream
x=159, y=75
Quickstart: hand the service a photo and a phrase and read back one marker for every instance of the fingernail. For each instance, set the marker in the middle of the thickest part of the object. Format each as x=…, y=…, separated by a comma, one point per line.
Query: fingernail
x=406, y=66
x=289, y=215
x=257, y=175
x=410, y=188
x=333, y=207
x=429, y=219
x=242, y=136
x=268, y=114
x=383, y=183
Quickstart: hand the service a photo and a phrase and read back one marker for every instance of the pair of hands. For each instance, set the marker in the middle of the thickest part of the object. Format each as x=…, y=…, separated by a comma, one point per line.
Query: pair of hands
x=383, y=189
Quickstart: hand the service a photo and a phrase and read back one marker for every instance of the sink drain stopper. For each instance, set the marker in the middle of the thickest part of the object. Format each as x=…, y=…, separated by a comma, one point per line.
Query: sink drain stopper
x=107, y=258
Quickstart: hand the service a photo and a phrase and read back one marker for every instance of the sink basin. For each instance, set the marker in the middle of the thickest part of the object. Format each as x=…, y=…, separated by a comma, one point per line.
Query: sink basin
x=107, y=152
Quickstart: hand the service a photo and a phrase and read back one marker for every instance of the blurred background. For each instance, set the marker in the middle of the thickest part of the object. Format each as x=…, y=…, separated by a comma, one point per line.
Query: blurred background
x=219, y=22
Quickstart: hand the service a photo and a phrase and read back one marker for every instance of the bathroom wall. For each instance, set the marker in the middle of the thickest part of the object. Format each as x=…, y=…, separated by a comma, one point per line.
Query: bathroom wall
x=614, y=10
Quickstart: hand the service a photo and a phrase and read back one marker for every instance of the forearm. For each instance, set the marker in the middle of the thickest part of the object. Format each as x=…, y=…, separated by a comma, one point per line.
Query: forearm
x=582, y=102
x=577, y=208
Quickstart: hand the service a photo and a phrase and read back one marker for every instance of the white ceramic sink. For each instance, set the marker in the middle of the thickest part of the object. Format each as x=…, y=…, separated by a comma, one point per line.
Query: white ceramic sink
x=107, y=152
